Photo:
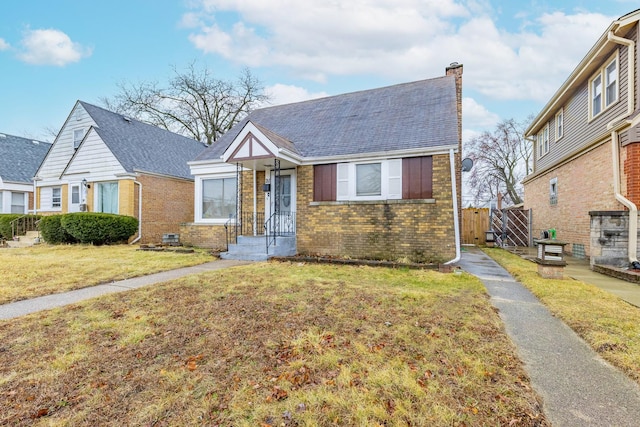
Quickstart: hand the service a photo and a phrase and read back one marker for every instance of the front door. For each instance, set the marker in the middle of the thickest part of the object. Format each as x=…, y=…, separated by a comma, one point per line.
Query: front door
x=282, y=198
x=74, y=197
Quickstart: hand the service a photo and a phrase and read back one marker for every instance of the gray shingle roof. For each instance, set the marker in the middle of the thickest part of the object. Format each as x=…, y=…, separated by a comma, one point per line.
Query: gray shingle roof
x=143, y=147
x=420, y=114
x=20, y=158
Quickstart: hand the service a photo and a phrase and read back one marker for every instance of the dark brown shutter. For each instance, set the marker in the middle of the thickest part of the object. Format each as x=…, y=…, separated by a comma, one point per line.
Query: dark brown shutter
x=417, y=178
x=324, y=183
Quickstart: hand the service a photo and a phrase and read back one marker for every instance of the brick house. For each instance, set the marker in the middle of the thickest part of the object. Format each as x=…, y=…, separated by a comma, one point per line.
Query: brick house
x=370, y=175
x=586, y=181
x=106, y=162
x=19, y=160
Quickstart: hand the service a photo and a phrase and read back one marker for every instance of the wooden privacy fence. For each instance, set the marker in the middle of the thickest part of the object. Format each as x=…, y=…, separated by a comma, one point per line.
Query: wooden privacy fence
x=475, y=223
x=512, y=226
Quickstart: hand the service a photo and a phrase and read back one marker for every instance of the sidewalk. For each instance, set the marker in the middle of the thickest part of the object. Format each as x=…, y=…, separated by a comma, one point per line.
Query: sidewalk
x=577, y=386
x=20, y=308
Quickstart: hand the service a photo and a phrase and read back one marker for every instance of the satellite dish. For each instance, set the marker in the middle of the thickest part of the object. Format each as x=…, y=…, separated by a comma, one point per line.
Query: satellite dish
x=467, y=164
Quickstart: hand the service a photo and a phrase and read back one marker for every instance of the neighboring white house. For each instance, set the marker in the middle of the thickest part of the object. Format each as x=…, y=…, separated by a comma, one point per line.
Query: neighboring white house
x=19, y=161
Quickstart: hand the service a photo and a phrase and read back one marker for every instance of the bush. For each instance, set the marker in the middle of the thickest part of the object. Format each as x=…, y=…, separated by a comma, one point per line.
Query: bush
x=5, y=224
x=52, y=231
x=99, y=228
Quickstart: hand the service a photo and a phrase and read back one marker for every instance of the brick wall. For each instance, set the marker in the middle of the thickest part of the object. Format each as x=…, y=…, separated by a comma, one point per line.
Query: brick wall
x=417, y=230
x=584, y=185
x=203, y=236
x=631, y=160
x=166, y=203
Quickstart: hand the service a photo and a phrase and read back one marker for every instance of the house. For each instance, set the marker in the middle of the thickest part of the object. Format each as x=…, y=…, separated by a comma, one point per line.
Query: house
x=585, y=182
x=102, y=161
x=369, y=175
x=19, y=160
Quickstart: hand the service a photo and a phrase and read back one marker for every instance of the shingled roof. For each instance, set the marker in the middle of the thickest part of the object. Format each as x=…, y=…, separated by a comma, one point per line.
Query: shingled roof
x=415, y=115
x=20, y=158
x=139, y=146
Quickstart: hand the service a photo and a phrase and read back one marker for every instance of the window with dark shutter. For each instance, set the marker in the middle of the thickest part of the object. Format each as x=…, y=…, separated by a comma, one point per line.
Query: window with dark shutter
x=417, y=178
x=324, y=183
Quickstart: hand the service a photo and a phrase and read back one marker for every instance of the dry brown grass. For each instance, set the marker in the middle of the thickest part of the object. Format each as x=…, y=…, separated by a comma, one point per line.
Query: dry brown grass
x=610, y=325
x=271, y=344
x=45, y=269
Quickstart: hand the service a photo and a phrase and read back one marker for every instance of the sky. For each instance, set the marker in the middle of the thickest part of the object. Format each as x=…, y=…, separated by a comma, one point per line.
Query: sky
x=515, y=53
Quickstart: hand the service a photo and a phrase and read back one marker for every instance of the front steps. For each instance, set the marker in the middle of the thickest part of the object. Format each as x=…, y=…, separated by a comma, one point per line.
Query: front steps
x=254, y=248
x=29, y=239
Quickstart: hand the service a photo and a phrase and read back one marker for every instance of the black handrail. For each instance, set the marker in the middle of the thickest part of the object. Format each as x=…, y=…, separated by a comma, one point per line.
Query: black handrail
x=21, y=225
x=279, y=225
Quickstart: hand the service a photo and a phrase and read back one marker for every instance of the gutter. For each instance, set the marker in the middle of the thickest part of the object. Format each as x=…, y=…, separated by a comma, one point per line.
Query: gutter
x=615, y=128
x=139, y=212
x=456, y=223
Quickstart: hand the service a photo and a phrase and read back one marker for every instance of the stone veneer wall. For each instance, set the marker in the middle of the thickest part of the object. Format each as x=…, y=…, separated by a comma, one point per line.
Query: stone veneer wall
x=415, y=230
x=610, y=238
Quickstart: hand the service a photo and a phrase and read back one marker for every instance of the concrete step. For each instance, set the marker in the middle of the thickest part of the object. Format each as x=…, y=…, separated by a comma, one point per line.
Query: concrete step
x=254, y=248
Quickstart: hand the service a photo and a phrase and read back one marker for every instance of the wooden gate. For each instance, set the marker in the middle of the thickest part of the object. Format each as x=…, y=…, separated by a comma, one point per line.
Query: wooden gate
x=512, y=227
x=475, y=223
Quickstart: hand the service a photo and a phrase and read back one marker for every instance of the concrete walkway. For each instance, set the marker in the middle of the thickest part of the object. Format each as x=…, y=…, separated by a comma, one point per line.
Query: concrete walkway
x=20, y=308
x=577, y=386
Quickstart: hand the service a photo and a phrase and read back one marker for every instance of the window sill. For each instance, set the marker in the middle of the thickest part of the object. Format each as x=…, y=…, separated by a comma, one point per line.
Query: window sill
x=375, y=202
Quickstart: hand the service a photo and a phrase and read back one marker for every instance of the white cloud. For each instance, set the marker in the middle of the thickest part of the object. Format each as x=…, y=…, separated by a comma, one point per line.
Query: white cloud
x=401, y=40
x=286, y=94
x=4, y=45
x=51, y=47
x=477, y=116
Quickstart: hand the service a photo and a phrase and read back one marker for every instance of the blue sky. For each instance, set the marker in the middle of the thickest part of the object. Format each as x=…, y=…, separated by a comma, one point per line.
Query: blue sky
x=515, y=53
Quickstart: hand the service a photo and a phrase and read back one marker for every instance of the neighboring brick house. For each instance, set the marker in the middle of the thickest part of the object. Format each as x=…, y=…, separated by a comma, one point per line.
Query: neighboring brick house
x=370, y=175
x=19, y=160
x=586, y=180
x=106, y=162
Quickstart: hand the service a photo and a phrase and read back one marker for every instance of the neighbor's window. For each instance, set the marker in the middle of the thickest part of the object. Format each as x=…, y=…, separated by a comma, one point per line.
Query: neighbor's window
x=56, y=197
x=603, y=88
x=18, y=203
x=219, y=198
x=543, y=141
x=553, y=191
x=107, y=197
x=560, y=124
x=369, y=179
x=78, y=134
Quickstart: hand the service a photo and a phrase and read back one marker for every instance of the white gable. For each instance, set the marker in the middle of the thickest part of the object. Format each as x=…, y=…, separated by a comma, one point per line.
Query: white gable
x=62, y=150
x=250, y=143
x=93, y=161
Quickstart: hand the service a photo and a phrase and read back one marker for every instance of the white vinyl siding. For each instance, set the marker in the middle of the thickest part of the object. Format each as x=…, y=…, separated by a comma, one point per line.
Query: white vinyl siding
x=1, y=203
x=369, y=180
x=94, y=156
x=604, y=87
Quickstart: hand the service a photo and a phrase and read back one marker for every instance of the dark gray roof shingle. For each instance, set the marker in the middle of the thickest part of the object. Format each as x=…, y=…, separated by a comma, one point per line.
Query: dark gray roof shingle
x=20, y=158
x=143, y=147
x=415, y=115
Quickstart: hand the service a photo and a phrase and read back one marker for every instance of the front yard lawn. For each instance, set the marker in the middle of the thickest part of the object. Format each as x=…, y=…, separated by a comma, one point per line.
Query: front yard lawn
x=45, y=269
x=271, y=344
x=610, y=325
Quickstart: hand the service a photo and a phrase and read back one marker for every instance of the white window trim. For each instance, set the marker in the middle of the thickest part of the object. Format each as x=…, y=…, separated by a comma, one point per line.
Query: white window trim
x=603, y=79
x=59, y=207
x=559, y=130
x=543, y=149
x=390, y=185
x=198, y=199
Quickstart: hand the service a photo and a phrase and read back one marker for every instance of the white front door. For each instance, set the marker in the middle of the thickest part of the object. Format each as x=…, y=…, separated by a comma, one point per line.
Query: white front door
x=285, y=196
x=75, y=196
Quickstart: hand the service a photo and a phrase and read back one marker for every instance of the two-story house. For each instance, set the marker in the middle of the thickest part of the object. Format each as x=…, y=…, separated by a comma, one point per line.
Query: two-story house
x=586, y=177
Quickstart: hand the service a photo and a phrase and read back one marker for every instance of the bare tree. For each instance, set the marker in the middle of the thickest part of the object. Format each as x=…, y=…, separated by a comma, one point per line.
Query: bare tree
x=502, y=158
x=194, y=103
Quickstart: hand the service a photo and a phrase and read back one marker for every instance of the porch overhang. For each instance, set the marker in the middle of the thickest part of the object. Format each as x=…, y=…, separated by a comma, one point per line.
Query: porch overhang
x=255, y=150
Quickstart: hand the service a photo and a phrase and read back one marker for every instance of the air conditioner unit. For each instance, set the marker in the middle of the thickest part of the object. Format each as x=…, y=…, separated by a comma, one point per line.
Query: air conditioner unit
x=83, y=207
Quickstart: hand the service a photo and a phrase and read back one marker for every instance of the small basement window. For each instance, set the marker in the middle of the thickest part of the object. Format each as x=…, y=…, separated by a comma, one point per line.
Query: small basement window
x=553, y=191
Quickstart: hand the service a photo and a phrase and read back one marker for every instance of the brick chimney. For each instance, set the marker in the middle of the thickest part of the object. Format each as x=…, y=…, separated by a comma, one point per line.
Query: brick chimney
x=455, y=70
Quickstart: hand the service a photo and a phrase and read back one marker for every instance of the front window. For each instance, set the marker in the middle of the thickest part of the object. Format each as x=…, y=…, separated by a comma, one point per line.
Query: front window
x=369, y=179
x=18, y=203
x=219, y=198
x=56, y=197
x=107, y=197
x=604, y=87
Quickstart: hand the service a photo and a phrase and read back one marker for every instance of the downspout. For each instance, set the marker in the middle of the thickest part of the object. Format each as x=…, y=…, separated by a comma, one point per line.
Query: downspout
x=454, y=191
x=633, y=210
x=139, y=212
